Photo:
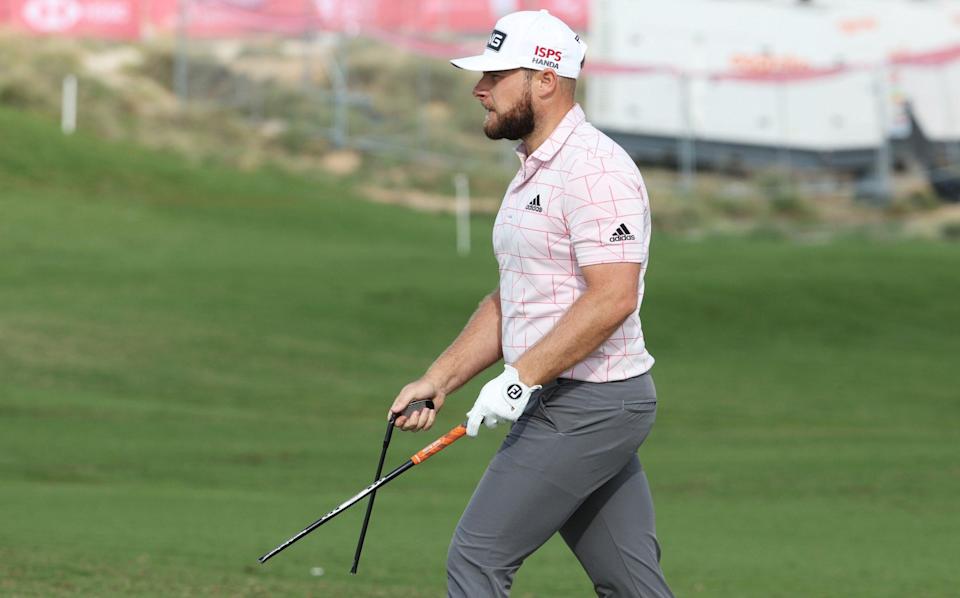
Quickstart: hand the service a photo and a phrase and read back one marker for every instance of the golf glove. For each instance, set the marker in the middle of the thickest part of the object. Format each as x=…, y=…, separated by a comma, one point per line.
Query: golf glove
x=503, y=398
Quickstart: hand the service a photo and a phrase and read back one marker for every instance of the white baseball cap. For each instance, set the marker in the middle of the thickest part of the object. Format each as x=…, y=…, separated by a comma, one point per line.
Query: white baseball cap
x=529, y=39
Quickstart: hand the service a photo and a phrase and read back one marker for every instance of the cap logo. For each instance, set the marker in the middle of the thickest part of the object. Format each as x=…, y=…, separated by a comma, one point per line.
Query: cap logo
x=497, y=38
x=547, y=53
x=546, y=57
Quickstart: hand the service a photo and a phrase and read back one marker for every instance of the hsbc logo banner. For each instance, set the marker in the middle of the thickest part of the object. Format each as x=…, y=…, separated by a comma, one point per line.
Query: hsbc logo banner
x=114, y=19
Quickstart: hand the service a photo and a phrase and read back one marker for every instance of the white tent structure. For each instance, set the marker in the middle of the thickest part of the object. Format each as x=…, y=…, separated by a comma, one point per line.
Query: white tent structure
x=817, y=83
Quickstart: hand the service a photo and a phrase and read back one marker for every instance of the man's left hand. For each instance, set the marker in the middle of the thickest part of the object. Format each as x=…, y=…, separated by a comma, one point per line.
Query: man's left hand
x=503, y=398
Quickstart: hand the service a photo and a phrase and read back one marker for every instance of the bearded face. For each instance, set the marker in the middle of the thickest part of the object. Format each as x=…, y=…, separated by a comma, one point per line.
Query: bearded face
x=515, y=122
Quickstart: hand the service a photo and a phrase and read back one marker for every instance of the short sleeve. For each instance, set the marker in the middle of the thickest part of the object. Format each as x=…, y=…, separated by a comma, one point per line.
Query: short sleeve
x=607, y=212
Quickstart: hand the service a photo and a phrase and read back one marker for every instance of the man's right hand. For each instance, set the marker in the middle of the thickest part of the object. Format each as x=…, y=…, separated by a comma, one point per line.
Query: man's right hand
x=419, y=420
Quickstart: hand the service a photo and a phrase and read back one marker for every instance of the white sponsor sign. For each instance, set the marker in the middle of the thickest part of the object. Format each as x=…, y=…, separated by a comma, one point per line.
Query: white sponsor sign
x=107, y=13
x=52, y=16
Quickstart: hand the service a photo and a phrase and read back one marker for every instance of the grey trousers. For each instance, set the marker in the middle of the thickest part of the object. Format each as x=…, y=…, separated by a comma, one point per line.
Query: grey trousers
x=569, y=464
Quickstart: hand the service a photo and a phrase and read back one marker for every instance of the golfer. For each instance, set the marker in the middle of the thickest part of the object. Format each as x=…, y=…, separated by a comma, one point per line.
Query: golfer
x=571, y=240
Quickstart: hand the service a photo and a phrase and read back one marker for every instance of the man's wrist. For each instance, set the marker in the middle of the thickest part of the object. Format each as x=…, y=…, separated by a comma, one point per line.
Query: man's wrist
x=513, y=374
x=439, y=381
x=524, y=374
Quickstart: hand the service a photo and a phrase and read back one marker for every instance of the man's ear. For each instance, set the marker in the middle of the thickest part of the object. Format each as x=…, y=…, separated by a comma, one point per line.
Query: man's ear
x=547, y=82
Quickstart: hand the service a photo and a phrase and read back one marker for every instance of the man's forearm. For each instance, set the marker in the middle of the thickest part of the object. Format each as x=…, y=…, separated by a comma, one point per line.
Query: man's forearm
x=476, y=348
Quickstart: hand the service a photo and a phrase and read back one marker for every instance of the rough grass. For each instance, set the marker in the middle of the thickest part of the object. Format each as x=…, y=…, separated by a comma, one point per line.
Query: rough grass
x=195, y=362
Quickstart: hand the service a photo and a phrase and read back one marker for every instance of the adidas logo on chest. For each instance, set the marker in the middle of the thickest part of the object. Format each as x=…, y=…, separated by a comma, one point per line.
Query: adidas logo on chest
x=534, y=205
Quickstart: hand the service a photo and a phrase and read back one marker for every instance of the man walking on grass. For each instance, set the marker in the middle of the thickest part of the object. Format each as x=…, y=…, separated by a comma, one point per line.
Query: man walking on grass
x=571, y=239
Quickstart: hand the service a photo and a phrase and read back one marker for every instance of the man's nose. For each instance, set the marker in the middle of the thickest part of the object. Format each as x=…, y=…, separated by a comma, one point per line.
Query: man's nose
x=481, y=90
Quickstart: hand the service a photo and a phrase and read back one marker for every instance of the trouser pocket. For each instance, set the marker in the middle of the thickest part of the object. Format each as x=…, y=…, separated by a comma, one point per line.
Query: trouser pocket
x=640, y=405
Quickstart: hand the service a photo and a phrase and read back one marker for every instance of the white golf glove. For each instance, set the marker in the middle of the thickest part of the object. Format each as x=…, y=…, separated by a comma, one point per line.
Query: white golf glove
x=503, y=398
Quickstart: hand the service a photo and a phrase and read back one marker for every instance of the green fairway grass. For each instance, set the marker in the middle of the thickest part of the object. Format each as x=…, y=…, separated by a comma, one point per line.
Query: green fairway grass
x=195, y=363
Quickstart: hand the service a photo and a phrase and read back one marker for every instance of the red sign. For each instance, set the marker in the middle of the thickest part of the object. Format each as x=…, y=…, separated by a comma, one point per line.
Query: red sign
x=229, y=18
x=121, y=19
x=420, y=17
x=475, y=16
x=115, y=19
x=574, y=13
x=417, y=18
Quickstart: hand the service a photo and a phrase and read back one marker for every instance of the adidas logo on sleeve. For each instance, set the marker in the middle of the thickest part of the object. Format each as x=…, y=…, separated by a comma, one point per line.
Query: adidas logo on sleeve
x=534, y=205
x=622, y=234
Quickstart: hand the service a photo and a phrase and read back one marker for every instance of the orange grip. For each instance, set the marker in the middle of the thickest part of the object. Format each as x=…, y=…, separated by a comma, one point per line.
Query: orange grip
x=439, y=444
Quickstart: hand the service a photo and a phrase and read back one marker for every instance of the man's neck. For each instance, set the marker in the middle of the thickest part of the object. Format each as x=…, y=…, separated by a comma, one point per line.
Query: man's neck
x=546, y=125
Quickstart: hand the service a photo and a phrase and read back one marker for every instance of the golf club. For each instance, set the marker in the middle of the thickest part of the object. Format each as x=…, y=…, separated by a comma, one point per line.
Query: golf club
x=422, y=455
x=413, y=407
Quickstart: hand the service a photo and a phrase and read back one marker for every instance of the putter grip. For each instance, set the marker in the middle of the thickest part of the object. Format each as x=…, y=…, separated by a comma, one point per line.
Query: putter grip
x=439, y=444
x=415, y=406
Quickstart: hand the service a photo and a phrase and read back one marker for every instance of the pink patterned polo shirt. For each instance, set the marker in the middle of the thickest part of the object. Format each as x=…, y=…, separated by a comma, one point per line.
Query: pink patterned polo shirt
x=578, y=200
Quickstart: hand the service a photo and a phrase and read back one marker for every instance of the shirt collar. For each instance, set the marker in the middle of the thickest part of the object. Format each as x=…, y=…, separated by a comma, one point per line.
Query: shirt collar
x=549, y=148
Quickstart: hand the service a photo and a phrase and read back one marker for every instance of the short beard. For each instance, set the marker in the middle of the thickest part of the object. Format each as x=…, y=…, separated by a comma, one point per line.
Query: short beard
x=516, y=123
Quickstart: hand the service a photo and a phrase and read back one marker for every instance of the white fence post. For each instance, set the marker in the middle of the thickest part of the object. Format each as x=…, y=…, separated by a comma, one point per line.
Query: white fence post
x=68, y=109
x=687, y=138
x=462, y=185
x=883, y=189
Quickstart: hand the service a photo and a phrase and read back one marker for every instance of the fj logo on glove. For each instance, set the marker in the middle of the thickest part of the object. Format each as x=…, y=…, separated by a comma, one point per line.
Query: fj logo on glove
x=502, y=399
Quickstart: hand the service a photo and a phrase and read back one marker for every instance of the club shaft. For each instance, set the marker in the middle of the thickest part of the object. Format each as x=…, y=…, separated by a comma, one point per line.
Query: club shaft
x=419, y=457
x=363, y=533
x=373, y=496
x=340, y=509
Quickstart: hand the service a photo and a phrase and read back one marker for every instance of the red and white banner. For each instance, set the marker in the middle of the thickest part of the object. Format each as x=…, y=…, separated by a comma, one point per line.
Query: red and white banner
x=477, y=17
x=234, y=18
x=423, y=17
x=112, y=19
x=213, y=18
x=122, y=19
